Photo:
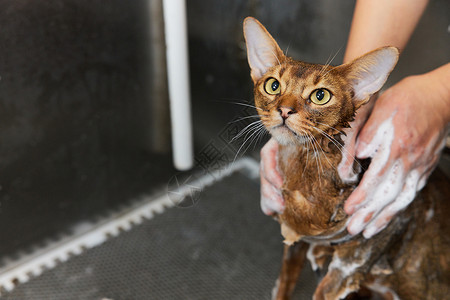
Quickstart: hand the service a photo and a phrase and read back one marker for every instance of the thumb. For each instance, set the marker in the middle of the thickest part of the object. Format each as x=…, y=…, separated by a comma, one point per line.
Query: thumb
x=345, y=167
x=269, y=168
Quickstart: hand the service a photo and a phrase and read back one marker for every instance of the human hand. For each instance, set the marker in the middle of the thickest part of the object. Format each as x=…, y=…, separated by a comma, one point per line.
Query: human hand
x=271, y=181
x=404, y=136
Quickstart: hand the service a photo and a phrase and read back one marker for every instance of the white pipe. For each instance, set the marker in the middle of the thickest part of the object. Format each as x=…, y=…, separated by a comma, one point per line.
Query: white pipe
x=178, y=80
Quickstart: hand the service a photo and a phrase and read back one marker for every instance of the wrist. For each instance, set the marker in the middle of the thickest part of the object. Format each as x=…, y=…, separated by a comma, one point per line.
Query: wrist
x=440, y=82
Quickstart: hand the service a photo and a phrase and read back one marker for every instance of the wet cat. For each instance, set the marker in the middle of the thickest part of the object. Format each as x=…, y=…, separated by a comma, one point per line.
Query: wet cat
x=305, y=107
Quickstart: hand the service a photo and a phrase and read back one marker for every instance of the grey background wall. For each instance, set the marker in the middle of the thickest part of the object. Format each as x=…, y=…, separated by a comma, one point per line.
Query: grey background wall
x=76, y=95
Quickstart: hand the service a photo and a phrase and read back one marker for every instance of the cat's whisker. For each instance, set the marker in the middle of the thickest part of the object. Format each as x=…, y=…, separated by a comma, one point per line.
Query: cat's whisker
x=264, y=132
x=321, y=149
x=247, y=138
x=287, y=49
x=331, y=127
x=246, y=128
x=328, y=63
x=323, y=152
x=331, y=138
x=315, y=154
x=253, y=128
x=325, y=65
x=261, y=132
x=239, y=103
x=255, y=138
x=338, y=145
x=307, y=158
x=243, y=118
x=307, y=149
x=276, y=57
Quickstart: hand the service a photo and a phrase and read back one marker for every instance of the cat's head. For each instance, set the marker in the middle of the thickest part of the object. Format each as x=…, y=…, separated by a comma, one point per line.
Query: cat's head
x=300, y=101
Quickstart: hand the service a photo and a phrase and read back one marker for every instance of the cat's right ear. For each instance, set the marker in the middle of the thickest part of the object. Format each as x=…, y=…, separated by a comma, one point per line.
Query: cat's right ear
x=262, y=50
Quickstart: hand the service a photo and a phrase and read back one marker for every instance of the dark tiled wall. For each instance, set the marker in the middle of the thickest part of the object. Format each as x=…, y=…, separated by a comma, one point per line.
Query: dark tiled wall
x=73, y=109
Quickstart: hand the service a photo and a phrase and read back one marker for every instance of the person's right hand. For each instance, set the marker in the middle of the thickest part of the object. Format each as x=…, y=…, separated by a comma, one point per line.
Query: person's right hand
x=272, y=201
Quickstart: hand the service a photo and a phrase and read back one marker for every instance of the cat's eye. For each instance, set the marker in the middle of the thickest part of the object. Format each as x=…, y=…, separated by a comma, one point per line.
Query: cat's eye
x=272, y=86
x=320, y=96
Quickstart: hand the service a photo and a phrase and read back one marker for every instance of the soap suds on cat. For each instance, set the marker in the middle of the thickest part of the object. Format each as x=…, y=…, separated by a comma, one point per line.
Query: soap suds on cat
x=344, y=268
x=383, y=290
x=310, y=256
x=429, y=214
x=275, y=289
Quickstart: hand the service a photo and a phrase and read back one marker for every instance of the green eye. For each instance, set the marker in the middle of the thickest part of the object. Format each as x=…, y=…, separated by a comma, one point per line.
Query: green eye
x=272, y=86
x=320, y=96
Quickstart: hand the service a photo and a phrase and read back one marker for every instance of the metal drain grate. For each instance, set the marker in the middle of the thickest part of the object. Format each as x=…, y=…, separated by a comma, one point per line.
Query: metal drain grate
x=221, y=248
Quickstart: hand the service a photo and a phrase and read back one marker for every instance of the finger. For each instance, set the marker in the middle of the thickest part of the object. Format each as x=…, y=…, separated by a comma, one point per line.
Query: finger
x=377, y=225
x=366, y=188
x=407, y=195
x=345, y=167
x=385, y=192
x=354, y=200
x=373, y=135
x=269, y=168
x=271, y=199
x=379, y=149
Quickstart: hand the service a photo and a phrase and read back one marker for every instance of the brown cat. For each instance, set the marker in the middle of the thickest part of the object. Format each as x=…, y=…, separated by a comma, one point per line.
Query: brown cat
x=305, y=107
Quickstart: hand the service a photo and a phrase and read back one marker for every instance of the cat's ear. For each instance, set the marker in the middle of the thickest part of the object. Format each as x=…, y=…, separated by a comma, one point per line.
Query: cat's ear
x=368, y=73
x=262, y=50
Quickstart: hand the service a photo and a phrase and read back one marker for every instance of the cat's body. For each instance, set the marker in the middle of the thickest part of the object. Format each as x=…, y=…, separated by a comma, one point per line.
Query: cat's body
x=305, y=107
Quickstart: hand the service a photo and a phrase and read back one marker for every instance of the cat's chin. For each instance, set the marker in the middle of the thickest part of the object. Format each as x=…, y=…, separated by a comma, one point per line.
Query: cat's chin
x=286, y=137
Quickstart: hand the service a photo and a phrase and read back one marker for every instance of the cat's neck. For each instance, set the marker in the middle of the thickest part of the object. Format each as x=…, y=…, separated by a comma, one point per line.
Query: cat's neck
x=313, y=191
x=311, y=164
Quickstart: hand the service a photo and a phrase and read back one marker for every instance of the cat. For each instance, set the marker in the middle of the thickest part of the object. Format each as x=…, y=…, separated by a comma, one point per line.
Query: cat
x=305, y=107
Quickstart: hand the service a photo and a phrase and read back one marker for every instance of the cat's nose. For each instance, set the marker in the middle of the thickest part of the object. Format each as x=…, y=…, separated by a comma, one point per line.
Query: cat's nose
x=285, y=112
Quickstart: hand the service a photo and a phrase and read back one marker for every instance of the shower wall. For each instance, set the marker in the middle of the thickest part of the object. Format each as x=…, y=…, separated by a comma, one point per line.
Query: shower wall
x=74, y=106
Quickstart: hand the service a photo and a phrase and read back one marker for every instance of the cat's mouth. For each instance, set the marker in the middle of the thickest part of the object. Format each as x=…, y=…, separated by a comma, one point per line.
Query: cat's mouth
x=282, y=131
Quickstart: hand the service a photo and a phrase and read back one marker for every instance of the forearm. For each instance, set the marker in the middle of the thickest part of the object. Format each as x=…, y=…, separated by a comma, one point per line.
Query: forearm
x=440, y=79
x=378, y=23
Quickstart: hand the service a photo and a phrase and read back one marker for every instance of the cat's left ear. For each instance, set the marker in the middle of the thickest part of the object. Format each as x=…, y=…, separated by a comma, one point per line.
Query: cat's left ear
x=262, y=50
x=368, y=73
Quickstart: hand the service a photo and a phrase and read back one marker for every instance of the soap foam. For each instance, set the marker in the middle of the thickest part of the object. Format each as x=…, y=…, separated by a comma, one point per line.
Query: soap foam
x=380, y=189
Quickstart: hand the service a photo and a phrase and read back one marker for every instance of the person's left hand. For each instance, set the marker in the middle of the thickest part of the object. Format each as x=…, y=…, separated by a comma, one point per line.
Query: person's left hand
x=404, y=136
x=272, y=201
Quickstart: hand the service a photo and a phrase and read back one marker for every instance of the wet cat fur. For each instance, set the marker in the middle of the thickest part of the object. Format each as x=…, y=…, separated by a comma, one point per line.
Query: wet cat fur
x=394, y=263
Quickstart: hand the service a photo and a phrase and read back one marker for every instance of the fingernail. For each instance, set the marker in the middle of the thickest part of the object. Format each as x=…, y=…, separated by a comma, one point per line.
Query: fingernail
x=350, y=206
x=353, y=231
x=357, y=223
x=349, y=209
x=370, y=232
x=362, y=150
